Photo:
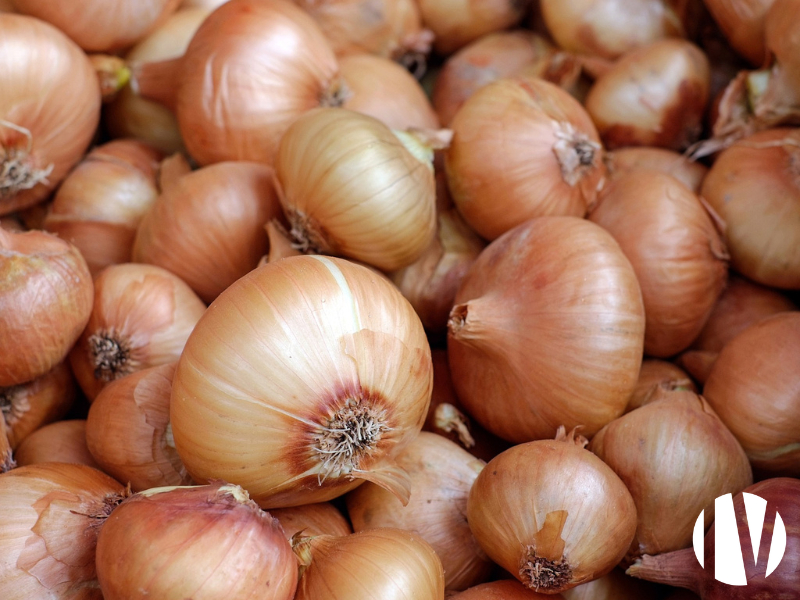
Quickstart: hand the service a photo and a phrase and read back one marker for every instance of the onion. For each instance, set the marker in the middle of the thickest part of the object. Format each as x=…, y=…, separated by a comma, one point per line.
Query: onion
x=522, y=148
x=321, y=518
x=551, y=513
x=300, y=425
x=370, y=565
x=6, y=6
x=754, y=388
x=614, y=586
x=49, y=109
x=656, y=376
x=675, y=249
x=682, y=568
x=742, y=21
x=754, y=187
x=45, y=301
x=99, y=205
x=441, y=476
x=141, y=318
x=196, y=542
x=654, y=96
x=47, y=541
x=62, y=442
x=544, y=335
x=502, y=590
x=624, y=160
x=208, y=228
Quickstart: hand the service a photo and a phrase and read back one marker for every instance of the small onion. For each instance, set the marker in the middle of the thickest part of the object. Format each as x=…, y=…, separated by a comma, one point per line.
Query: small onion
x=141, y=318
x=321, y=518
x=503, y=590
x=624, y=160
x=614, y=586
x=658, y=375
x=742, y=22
x=197, y=542
x=522, y=148
x=62, y=442
x=551, y=513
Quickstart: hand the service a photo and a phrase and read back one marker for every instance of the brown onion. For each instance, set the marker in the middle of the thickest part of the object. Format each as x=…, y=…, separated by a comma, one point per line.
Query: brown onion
x=742, y=22
x=502, y=590
x=658, y=375
x=62, y=442
x=141, y=318
x=623, y=160
x=45, y=302
x=321, y=518
x=544, y=334
x=198, y=542
x=522, y=148
x=614, y=586
x=675, y=249
x=441, y=476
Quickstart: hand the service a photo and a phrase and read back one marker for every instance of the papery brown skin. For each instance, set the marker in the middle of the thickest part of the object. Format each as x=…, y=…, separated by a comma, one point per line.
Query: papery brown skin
x=503, y=590
x=544, y=334
x=28, y=406
x=658, y=374
x=197, y=542
x=370, y=565
x=754, y=186
x=101, y=202
x=675, y=456
x=208, y=228
x=127, y=430
x=522, y=148
x=147, y=310
x=669, y=162
x=47, y=541
x=320, y=518
x=62, y=442
x=675, y=249
x=45, y=301
x=441, y=475
x=742, y=21
x=654, y=96
x=614, y=586
x=754, y=388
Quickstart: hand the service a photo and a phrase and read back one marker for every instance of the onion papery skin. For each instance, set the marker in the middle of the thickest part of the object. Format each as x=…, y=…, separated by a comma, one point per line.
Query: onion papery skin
x=742, y=22
x=50, y=91
x=62, y=442
x=208, y=228
x=320, y=518
x=754, y=388
x=658, y=374
x=505, y=589
x=45, y=302
x=675, y=249
x=47, y=542
x=654, y=96
x=669, y=162
x=754, y=186
x=199, y=542
x=371, y=565
x=441, y=476
x=684, y=458
x=529, y=304
x=365, y=361
x=522, y=148
x=101, y=202
x=614, y=586
x=141, y=318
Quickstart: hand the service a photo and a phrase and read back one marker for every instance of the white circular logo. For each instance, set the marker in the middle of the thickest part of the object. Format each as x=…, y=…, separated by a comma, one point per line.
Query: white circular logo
x=728, y=558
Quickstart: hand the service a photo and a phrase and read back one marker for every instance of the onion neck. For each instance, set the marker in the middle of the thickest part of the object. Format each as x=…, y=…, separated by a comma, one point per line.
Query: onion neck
x=18, y=170
x=112, y=73
x=679, y=569
x=157, y=81
x=335, y=94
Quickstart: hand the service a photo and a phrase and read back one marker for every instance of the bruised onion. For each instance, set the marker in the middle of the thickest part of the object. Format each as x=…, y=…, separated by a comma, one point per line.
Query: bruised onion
x=505, y=589
x=635, y=158
x=321, y=518
x=62, y=442
x=522, y=148
x=547, y=330
x=658, y=375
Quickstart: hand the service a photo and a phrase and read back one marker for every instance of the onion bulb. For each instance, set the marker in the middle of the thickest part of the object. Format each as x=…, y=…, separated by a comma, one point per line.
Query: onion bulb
x=197, y=542
x=674, y=247
x=754, y=388
x=742, y=22
x=614, y=586
x=522, y=148
x=441, y=476
x=624, y=160
x=352, y=187
x=505, y=589
x=61, y=442
x=321, y=518
x=141, y=318
x=656, y=376
x=49, y=109
x=45, y=302
x=543, y=334
x=551, y=513
x=371, y=565
x=330, y=379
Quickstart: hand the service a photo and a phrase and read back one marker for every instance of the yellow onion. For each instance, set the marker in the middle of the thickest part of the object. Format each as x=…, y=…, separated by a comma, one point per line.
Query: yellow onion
x=320, y=518
x=45, y=302
x=522, y=148
x=352, y=187
x=197, y=542
x=49, y=109
x=654, y=96
x=141, y=318
x=208, y=228
x=547, y=330
x=129, y=434
x=675, y=456
x=614, y=586
x=504, y=589
x=371, y=565
x=304, y=378
x=61, y=442
x=654, y=377
x=383, y=89
x=47, y=537
x=99, y=205
x=754, y=388
x=679, y=258
x=742, y=22
x=551, y=513
x=441, y=476
x=635, y=158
